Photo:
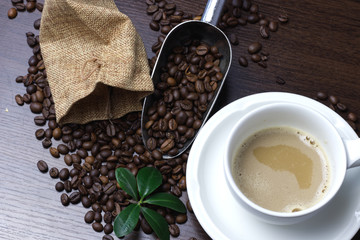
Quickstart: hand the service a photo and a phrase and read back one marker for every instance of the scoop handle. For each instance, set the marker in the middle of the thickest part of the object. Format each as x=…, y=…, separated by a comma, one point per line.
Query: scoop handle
x=353, y=152
x=212, y=12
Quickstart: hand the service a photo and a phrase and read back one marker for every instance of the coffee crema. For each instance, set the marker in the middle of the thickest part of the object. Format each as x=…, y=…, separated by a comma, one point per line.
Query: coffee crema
x=281, y=169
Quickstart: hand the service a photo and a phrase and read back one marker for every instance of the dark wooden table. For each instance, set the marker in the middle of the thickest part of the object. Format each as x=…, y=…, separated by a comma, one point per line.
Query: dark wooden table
x=317, y=50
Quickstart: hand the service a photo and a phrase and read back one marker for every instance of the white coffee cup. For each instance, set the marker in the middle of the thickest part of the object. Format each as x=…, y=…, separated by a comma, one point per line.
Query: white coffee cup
x=341, y=154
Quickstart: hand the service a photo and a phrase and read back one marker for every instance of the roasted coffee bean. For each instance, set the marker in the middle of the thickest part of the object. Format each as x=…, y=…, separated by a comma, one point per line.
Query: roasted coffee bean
x=152, y=9
x=170, y=219
x=151, y=143
x=98, y=227
x=246, y=5
x=256, y=58
x=42, y=166
x=243, y=61
x=54, y=152
x=30, y=6
x=283, y=19
x=63, y=149
x=321, y=96
x=352, y=116
x=254, y=47
x=89, y=217
x=36, y=107
x=273, y=26
x=333, y=99
x=233, y=39
x=40, y=134
x=181, y=218
x=12, y=13
x=174, y=230
x=37, y=24
x=64, y=174
x=107, y=237
x=202, y=50
x=145, y=226
x=253, y=18
x=154, y=25
x=46, y=143
x=39, y=6
x=54, y=172
x=75, y=197
x=264, y=31
x=108, y=228
x=59, y=186
x=165, y=29
x=65, y=200
x=342, y=107
x=85, y=201
x=19, y=100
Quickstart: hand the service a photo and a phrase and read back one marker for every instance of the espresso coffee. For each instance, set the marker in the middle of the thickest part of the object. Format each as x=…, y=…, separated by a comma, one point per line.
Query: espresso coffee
x=281, y=169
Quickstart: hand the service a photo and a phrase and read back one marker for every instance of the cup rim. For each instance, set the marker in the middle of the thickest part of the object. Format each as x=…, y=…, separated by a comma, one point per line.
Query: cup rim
x=233, y=186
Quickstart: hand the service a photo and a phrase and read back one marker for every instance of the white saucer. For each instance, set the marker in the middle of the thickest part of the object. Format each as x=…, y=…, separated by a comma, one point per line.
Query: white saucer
x=215, y=208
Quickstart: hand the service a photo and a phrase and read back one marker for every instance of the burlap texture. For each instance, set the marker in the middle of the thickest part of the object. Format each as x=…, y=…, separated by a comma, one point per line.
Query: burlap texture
x=95, y=60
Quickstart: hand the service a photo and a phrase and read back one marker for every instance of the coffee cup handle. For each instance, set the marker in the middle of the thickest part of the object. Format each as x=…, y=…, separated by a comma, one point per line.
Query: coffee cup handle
x=353, y=152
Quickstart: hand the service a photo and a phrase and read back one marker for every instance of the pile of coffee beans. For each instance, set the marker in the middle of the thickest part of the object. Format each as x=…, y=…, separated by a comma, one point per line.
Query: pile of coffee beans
x=165, y=16
x=92, y=152
x=188, y=84
x=334, y=103
x=20, y=6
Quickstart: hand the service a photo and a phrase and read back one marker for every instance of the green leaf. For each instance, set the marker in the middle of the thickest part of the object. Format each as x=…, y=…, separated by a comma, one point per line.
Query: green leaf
x=148, y=179
x=126, y=220
x=157, y=223
x=127, y=182
x=167, y=200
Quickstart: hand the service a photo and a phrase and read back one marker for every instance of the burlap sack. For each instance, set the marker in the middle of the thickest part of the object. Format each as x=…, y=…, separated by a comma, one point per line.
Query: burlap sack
x=95, y=60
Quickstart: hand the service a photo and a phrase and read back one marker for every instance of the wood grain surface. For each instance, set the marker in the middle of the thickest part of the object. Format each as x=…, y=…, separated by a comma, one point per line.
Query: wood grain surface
x=317, y=50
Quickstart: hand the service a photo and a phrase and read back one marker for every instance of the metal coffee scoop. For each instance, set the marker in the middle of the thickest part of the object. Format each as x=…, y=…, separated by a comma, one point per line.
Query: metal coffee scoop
x=204, y=30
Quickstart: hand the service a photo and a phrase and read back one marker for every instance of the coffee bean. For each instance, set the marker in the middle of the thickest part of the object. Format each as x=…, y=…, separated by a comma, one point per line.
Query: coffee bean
x=42, y=166
x=89, y=217
x=54, y=172
x=65, y=200
x=30, y=6
x=167, y=145
x=75, y=197
x=254, y=47
x=36, y=107
x=39, y=6
x=12, y=13
x=98, y=227
x=342, y=107
x=108, y=228
x=243, y=61
x=202, y=50
x=233, y=39
x=333, y=99
x=59, y=186
x=156, y=27
x=273, y=26
x=39, y=120
x=174, y=230
x=253, y=18
x=97, y=216
x=46, y=143
x=352, y=116
x=145, y=226
x=256, y=58
x=321, y=95
x=170, y=219
x=64, y=174
x=54, y=152
x=37, y=24
x=283, y=19
x=181, y=218
x=188, y=206
x=107, y=237
x=264, y=31
x=67, y=186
